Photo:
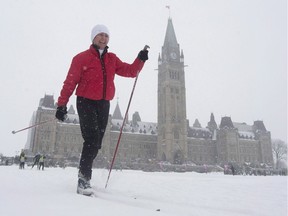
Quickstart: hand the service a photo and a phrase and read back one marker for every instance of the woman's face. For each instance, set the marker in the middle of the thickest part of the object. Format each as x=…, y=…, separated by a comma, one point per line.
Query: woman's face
x=101, y=40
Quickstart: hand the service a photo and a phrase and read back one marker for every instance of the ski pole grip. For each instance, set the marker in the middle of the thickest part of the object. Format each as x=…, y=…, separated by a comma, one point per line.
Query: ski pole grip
x=146, y=47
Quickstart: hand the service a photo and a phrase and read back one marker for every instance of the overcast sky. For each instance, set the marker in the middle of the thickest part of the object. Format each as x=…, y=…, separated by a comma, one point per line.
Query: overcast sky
x=236, y=52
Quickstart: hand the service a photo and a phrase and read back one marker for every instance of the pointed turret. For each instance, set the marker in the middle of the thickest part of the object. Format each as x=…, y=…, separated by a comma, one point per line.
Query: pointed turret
x=197, y=124
x=159, y=60
x=135, y=118
x=171, y=48
x=117, y=113
x=47, y=101
x=259, y=125
x=226, y=122
x=182, y=57
x=212, y=125
x=170, y=37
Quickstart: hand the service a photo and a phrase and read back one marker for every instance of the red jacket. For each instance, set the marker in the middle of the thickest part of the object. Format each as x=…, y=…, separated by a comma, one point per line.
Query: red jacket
x=94, y=77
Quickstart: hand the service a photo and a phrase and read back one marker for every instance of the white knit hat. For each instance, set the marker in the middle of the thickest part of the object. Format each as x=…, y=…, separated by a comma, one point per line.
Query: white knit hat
x=99, y=29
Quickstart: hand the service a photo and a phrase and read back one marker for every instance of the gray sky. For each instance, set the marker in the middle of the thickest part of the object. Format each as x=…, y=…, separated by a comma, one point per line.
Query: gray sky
x=236, y=52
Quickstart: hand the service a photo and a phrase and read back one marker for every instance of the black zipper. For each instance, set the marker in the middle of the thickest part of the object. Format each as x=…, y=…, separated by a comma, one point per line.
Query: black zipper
x=104, y=77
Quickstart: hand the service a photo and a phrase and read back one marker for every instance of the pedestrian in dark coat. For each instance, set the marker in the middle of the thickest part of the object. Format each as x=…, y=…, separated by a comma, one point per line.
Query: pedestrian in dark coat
x=36, y=160
x=232, y=169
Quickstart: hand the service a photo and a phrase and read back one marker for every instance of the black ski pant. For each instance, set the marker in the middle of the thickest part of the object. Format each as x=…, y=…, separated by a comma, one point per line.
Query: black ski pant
x=22, y=164
x=41, y=164
x=35, y=163
x=93, y=117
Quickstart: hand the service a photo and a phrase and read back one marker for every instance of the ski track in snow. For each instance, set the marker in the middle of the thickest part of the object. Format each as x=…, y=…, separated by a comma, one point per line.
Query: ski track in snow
x=124, y=199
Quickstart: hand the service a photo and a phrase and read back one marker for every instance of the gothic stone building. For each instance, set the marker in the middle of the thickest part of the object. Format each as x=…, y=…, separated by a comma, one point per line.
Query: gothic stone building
x=172, y=139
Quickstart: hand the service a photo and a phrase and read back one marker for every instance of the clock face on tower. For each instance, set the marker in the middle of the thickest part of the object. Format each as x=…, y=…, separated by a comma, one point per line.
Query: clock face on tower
x=173, y=55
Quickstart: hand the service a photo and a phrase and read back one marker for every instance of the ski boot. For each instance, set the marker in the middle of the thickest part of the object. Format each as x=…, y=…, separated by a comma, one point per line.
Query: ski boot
x=84, y=186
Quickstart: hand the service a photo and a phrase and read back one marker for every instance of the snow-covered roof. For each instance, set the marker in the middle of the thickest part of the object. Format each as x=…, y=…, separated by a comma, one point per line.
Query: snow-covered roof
x=242, y=126
x=245, y=131
x=246, y=134
x=140, y=127
x=197, y=132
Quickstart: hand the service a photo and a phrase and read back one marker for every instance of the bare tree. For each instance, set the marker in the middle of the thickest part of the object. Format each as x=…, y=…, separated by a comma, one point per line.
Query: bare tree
x=279, y=149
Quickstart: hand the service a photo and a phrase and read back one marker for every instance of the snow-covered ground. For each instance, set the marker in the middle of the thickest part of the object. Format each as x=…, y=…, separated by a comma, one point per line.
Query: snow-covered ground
x=53, y=192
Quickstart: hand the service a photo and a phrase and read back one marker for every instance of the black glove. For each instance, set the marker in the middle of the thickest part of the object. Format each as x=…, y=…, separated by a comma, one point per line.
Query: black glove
x=61, y=113
x=143, y=55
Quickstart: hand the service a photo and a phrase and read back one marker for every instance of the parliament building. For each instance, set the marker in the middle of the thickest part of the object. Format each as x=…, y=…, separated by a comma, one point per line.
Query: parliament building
x=172, y=140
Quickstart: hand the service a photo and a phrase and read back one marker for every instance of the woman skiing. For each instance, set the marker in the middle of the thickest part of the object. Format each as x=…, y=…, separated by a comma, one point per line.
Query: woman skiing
x=92, y=73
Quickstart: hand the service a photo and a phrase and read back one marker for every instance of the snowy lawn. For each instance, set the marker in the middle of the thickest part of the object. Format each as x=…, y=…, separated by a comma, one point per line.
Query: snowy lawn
x=52, y=192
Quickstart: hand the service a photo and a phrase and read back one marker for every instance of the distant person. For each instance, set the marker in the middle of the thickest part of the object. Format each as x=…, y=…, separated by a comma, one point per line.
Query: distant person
x=92, y=73
x=205, y=168
x=232, y=169
x=41, y=162
x=36, y=160
x=226, y=169
x=22, y=160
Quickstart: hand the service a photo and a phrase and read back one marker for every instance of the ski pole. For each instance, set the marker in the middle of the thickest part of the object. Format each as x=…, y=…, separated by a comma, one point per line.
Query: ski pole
x=124, y=120
x=35, y=125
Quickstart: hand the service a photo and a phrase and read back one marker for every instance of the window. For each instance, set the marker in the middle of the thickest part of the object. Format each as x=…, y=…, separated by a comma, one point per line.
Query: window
x=174, y=75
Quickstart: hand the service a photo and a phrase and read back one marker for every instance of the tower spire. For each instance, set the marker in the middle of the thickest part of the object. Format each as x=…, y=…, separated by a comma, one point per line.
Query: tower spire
x=170, y=36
